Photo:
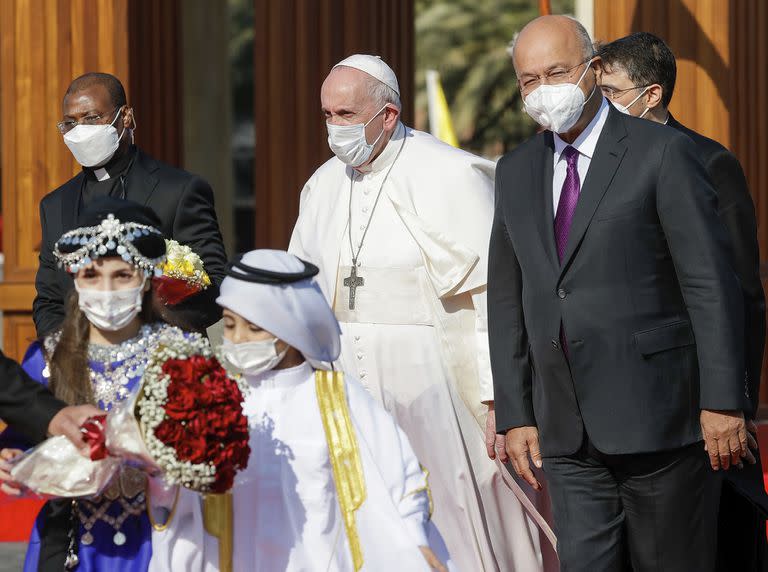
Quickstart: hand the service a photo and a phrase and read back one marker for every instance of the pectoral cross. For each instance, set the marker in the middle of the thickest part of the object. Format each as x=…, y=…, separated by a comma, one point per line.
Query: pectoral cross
x=353, y=282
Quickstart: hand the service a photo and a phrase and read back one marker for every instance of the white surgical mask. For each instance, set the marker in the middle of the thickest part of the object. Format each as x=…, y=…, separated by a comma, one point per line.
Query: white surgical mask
x=557, y=107
x=110, y=310
x=625, y=110
x=348, y=141
x=94, y=145
x=252, y=358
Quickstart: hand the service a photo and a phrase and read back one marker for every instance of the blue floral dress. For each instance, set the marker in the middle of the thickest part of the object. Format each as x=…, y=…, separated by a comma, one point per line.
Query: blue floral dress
x=113, y=529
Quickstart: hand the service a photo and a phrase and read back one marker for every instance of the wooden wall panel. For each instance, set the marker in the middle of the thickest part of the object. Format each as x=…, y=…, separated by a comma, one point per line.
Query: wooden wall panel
x=722, y=82
x=154, y=60
x=44, y=44
x=296, y=43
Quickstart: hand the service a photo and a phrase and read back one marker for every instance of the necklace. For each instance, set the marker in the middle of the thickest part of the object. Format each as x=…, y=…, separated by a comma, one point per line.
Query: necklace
x=353, y=281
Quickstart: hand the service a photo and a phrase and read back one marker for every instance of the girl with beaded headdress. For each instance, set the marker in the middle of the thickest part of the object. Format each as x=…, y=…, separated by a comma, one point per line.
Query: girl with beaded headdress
x=98, y=357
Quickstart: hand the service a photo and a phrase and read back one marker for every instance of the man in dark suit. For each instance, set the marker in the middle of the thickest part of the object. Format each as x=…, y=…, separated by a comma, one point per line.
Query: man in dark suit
x=30, y=409
x=615, y=320
x=97, y=126
x=638, y=73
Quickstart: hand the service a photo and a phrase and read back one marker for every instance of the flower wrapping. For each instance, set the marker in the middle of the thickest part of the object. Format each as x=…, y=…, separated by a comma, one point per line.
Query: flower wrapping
x=185, y=423
x=183, y=274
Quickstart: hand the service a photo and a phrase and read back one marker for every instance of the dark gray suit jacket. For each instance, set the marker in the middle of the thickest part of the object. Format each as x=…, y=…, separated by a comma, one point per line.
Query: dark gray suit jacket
x=737, y=211
x=645, y=293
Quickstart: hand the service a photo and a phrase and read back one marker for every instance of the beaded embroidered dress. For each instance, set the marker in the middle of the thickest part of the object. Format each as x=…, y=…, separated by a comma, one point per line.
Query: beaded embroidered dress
x=114, y=532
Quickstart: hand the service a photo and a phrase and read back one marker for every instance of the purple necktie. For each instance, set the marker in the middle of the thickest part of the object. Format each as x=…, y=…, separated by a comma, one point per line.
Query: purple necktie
x=569, y=196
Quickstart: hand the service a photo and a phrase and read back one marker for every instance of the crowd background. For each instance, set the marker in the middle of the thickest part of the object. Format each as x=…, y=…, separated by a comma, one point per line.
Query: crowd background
x=228, y=89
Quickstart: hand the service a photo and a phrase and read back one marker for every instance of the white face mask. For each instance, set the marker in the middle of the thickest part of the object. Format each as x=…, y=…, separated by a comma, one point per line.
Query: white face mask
x=625, y=110
x=110, y=310
x=557, y=107
x=348, y=142
x=253, y=358
x=94, y=145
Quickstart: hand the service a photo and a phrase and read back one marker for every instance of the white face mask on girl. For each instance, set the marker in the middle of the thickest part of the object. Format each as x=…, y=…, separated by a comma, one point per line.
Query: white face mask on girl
x=94, y=145
x=557, y=107
x=625, y=110
x=253, y=358
x=110, y=310
x=348, y=142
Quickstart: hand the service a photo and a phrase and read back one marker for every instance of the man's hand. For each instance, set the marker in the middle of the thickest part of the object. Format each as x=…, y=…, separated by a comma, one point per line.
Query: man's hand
x=752, y=448
x=522, y=441
x=8, y=486
x=432, y=559
x=725, y=437
x=494, y=443
x=67, y=422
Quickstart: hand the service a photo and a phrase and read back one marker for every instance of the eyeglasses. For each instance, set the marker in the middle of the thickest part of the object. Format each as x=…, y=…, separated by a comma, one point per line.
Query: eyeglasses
x=93, y=119
x=530, y=82
x=612, y=93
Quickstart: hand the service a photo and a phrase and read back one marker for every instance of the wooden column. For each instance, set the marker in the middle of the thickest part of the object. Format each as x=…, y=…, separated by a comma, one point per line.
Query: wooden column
x=296, y=43
x=44, y=45
x=722, y=79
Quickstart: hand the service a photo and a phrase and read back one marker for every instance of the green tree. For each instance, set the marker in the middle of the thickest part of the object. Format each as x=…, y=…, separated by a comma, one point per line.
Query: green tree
x=467, y=41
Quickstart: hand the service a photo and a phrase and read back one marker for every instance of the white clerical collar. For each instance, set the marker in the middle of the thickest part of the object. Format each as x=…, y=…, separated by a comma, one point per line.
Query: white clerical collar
x=389, y=152
x=281, y=378
x=101, y=174
x=586, y=142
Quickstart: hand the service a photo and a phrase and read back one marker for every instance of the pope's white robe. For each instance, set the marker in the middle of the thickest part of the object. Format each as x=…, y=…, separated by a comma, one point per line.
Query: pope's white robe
x=286, y=514
x=417, y=338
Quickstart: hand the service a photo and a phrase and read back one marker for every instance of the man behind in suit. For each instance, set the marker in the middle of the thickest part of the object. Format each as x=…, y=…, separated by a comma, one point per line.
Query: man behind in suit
x=97, y=127
x=637, y=73
x=615, y=320
x=29, y=408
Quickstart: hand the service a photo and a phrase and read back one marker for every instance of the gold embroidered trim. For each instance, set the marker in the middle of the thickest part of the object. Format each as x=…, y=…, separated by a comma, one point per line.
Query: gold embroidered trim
x=218, y=519
x=422, y=489
x=344, y=453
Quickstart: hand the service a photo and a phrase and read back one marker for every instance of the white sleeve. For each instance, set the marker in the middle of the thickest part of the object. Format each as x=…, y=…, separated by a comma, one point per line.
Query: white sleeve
x=485, y=380
x=296, y=244
x=395, y=460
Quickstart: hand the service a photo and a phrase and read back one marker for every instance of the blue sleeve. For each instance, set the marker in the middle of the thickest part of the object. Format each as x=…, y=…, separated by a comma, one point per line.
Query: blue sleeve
x=34, y=364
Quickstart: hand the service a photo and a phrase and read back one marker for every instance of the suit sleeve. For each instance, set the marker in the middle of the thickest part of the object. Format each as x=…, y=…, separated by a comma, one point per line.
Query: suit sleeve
x=48, y=306
x=508, y=338
x=687, y=208
x=737, y=211
x=197, y=226
x=25, y=405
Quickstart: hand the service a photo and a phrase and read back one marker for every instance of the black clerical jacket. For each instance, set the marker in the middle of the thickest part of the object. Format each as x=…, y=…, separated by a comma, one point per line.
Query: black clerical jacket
x=183, y=202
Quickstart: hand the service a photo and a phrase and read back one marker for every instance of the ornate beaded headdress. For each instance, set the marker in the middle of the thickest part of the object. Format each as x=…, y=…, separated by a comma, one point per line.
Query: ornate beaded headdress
x=81, y=246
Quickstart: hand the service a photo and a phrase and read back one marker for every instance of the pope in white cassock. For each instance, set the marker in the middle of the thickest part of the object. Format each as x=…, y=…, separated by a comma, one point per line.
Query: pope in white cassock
x=399, y=225
x=332, y=483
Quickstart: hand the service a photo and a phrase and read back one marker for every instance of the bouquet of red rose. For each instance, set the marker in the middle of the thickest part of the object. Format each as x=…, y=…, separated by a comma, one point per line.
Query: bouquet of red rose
x=185, y=423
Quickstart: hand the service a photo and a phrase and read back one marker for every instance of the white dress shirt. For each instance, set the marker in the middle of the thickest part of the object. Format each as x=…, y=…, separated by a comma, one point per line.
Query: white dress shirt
x=585, y=144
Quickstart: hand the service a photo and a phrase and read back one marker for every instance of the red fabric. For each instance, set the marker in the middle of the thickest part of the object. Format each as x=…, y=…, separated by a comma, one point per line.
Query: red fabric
x=17, y=517
x=172, y=291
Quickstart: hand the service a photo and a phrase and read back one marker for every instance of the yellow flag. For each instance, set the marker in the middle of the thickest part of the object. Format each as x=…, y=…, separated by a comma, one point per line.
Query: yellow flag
x=440, y=124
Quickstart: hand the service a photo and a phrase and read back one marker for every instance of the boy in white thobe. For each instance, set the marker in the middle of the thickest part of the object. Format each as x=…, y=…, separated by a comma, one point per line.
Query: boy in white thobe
x=332, y=482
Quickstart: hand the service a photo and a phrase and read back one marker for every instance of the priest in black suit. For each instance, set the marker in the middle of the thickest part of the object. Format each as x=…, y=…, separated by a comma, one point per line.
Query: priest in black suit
x=97, y=126
x=615, y=320
x=638, y=74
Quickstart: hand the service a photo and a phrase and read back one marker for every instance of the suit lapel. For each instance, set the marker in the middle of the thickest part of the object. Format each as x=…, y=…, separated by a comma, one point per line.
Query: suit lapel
x=608, y=155
x=141, y=181
x=542, y=195
x=70, y=202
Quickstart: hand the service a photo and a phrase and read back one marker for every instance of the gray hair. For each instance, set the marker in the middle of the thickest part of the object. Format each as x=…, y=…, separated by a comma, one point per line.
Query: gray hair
x=379, y=92
x=382, y=94
x=586, y=41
